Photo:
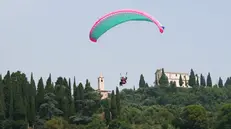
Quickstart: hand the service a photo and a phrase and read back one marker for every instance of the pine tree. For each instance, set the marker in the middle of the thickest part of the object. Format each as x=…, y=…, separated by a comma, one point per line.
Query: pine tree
x=118, y=101
x=113, y=105
x=192, y=79
x=220, y=82
x=209, y=80
x=163, y=79
x=181, y=81
x=142, y=81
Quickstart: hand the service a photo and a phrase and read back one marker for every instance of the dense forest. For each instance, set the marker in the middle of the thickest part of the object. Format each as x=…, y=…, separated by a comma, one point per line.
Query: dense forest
x=65, y=105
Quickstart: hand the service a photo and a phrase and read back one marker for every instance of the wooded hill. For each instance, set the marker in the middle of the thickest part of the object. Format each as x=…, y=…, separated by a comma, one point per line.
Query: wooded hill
x=51, y=105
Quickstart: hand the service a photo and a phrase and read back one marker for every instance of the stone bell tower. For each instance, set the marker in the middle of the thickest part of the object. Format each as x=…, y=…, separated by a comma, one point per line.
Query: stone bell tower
x=103, y=92
x=101, y=82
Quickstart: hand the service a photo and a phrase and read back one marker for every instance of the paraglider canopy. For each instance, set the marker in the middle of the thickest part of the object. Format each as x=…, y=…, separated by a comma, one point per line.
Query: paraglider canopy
x=115, y=18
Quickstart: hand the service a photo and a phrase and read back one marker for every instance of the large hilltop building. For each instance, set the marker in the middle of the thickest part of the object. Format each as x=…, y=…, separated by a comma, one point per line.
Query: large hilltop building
x=103, y=92
x=173, y=77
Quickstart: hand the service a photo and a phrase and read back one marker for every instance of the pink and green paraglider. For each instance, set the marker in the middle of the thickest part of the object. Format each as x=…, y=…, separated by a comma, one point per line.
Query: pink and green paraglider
x=115, y=18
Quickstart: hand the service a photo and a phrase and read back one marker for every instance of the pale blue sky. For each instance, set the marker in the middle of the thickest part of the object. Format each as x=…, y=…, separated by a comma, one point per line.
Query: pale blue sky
x=51, y=36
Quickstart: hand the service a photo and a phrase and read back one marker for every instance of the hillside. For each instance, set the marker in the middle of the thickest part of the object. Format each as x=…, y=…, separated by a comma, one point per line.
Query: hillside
x=52, y=106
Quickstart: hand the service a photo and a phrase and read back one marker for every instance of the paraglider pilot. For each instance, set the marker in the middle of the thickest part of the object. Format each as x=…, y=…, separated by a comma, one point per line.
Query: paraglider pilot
x=123, y=80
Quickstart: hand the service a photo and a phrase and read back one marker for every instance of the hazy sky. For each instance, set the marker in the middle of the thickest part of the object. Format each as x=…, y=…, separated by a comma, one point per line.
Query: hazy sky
x=51, y=36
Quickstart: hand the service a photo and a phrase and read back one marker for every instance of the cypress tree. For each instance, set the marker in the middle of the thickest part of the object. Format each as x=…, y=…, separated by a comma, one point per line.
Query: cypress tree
x=209, y=80
x=81, y=91
x=69, y=90
x=181, y=81
x=197, y=81
x=107, y=113
x=163, y=79
x=2, y=106
x=32, y=85
x=228, y=82
x=202, y=80
x=118, y=101
x=142, y=81
x=19, y=113
x=220, y=82
x=49, y=88
x=2, y=97
x=31, y=112
x=192, y=79
x=40, y=94
x=7, y=94
x=72, y=109
x=75, y=93
x=113, y=105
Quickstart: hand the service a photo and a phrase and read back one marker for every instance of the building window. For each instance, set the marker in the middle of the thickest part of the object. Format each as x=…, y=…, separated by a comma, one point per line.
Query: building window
x=176, y=75
x=101, y=80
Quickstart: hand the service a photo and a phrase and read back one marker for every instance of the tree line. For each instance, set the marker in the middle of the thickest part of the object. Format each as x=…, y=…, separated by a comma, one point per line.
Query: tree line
x=194, y=80
x=63, y=105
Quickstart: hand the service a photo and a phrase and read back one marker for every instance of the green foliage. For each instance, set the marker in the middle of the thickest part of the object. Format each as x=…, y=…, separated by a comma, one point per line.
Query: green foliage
x=202, y=81
x=194, y=117
x=163, y=79
x=142, y=82
x=220, y=82
x=113, y=105
x=192, y=79
x=209, y=80
x=181, y=81
x=57, y=123
x=53, y=106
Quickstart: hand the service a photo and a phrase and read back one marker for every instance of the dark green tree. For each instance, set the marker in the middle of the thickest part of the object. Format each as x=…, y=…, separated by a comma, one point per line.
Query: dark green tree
x=31, y=111
x=181, y=81
x=50, y=106
x=197, y=80
x=163, y=79
x=192, y=79
x=228, y=82
x=19, y=113
x=2, y=107
x=202, y=81
x=209, y=80
x=118, y=101
x=49, y=88
x=220, y=82
x=223, y=119
x=40, y=94
x=194, y=117
x=7, y=90
x=113, y=105
x=142, y=83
